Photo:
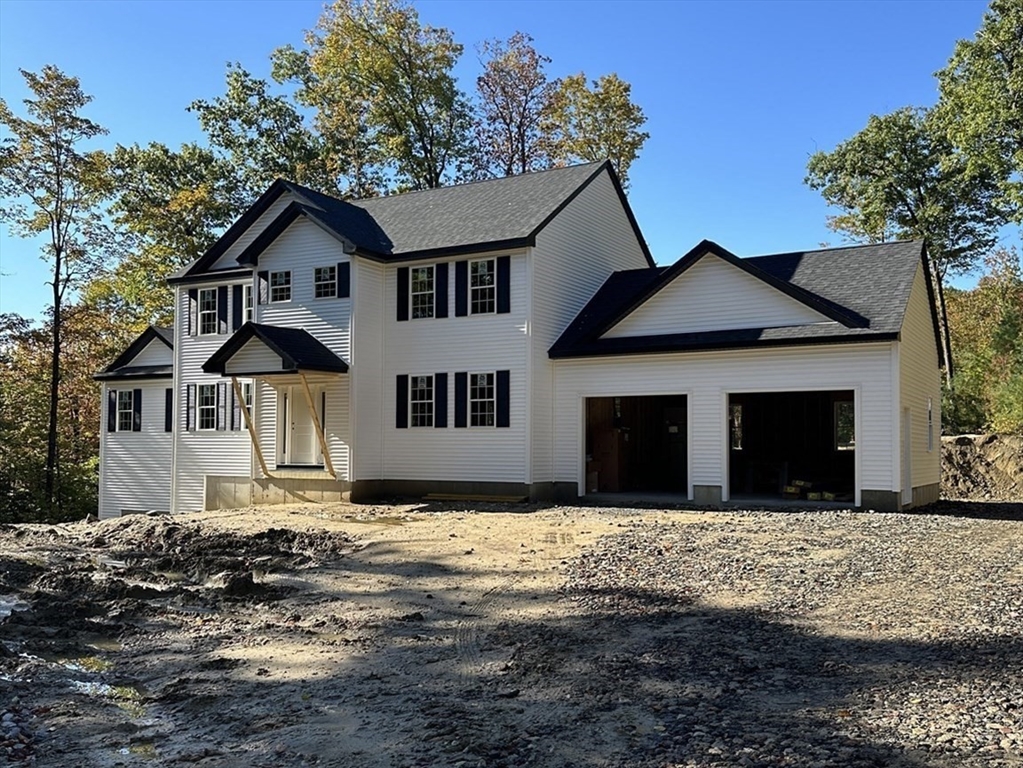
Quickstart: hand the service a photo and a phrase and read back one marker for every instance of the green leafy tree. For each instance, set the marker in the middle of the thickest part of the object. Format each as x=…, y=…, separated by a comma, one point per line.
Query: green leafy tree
x=381, y=79
x=513, y=94
x=981, y=102
x=52, y=188
x=597, y=122
x=900, y=178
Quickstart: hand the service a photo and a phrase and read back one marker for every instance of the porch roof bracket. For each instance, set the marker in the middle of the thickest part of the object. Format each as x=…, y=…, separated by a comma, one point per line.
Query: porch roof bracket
x=319, y=427
x=248, y=425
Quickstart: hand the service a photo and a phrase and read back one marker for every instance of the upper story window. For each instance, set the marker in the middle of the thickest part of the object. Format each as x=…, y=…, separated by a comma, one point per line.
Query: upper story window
x=207, y=311
x=280, y=286
x=482, y=292
x=482, y=400
x=207, y=406
x=325, y=282
x=125, y=410
x=247, y=315
x=422, y=286
x=421, y=400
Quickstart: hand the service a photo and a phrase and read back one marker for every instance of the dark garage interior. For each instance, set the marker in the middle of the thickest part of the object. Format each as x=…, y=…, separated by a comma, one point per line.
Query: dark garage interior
x=637, y=444
x=793, y=445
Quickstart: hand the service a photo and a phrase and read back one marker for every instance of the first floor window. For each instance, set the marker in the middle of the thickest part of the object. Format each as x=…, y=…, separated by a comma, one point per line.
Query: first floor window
x=247, y=396
x=125, y=410
x=482, y=400
x=482, y=296
x=207, y=395
x=421, y=400
x=280, y=286
x=207, y=311
x=247, y=316
x=845, y=426
x=325, y=282
x=422, y=292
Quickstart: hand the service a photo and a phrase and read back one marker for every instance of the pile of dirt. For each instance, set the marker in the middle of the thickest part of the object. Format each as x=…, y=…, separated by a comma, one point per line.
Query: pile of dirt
x=982, y=467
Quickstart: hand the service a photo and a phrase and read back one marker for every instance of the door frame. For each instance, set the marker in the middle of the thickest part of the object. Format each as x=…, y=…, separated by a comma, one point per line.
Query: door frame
x=285, y=430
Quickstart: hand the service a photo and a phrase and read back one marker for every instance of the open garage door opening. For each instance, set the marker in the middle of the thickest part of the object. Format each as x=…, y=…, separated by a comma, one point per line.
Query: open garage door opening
x=637, y=445
x=792, y=445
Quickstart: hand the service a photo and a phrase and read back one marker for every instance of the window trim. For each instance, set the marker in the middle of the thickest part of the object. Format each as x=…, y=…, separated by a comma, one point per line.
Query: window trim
x=470, y=400
x=492, y=287
x=273, y=287
x=428, y=403
x=332, y=284
x=121, y=412
x=432, y=293
x=248, y=306
x=199, y=408
x=211, y=312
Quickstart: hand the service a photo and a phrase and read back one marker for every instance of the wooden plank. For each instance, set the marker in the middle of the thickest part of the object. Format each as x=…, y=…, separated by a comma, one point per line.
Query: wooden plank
x=248, y=424
x=316, y=424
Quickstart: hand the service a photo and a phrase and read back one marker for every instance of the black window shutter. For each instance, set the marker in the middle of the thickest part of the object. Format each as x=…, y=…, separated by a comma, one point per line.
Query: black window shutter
x=236, y=307
x=503, y=399
x=461, y=398
x=461, y=288
x=136, y=407
x=222, y=309
x=401, y=402
x=190, y=407
x=503, y=284
x=221, y=406
x=168, y=410
x=193, y=311
x=236, y=411
x=264, y=286
x=440, y=400
x=440, y=291
x=402, y=293
x=112, y=410
x=344, y=279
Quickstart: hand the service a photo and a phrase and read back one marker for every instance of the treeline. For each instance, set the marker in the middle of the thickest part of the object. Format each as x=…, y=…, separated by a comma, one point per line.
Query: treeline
x=368, y=106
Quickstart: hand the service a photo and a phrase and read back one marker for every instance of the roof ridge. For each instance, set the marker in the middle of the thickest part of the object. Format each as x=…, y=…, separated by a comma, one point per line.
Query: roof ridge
x=836, y=248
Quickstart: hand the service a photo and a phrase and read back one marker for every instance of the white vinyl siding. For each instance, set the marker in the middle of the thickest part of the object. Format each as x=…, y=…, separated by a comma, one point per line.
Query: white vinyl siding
x=369, y=303
x=574, y=254
x=154, y=353
x=448, y=345
x=713, y=295
x=707, y=378
x=253, y=357
x=920, y=382
x=135, y=467
x=229, y=259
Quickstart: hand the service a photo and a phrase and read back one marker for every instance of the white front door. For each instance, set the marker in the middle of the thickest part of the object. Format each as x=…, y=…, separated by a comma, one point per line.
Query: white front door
x=302, y=444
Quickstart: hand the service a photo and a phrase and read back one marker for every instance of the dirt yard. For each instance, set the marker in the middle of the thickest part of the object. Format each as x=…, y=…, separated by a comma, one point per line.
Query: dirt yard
x=423, y=635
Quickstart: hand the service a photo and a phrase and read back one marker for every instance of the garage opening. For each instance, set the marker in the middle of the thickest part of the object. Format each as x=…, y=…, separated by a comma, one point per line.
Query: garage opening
x=792, y=445
x=637, y=444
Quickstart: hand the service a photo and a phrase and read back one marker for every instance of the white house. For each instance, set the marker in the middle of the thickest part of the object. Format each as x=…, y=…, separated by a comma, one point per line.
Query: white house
x=514, y=337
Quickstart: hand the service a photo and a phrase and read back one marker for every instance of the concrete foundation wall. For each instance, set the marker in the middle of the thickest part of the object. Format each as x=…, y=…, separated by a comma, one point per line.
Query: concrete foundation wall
x=881, y=501
x=231, y=492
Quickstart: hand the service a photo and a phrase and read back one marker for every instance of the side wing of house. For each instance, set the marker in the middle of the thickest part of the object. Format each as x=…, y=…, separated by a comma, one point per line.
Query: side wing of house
x=919, y=397
x=135, y=437
x=589, y=239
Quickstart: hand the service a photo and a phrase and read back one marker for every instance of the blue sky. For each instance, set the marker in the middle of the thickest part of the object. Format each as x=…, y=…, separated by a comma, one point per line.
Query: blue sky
x=737, y=94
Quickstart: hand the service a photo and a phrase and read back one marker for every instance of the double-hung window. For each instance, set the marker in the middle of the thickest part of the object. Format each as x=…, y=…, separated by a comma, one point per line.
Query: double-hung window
x=422, y=292
x=247, y=396
x=280, y=286
x=125, y=410
x=325, y=282
x=247, y=304
x=482, y=400
x=207, y=311
x=482, y=290
x=207, y=410
x=421, y=400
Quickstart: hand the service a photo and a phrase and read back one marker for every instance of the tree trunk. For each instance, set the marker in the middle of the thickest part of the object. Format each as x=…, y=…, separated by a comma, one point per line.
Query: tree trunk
x=52, y=492
x=946, y=337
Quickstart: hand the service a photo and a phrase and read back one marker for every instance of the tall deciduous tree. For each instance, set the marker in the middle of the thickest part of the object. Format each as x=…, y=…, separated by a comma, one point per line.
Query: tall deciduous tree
x=981, y=102
x=379, y=74
x=514, y=95
x=900, y=178
x=52, y=188
x=597, y=122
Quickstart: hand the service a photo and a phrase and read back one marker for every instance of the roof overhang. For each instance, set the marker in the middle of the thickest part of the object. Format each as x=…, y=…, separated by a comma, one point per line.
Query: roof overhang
x=137, y=372
x=119, y=368
x=285, y=219
x=297, y=350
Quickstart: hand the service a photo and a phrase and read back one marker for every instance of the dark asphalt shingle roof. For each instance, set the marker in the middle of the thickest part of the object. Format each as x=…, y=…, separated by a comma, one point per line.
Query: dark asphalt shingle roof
x=298, y=349
x=869, y=283
x=120, y=367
